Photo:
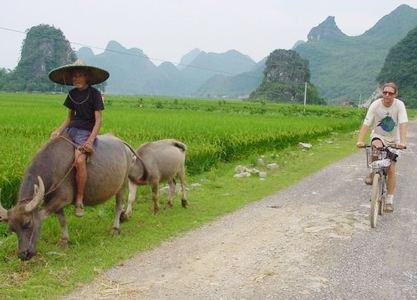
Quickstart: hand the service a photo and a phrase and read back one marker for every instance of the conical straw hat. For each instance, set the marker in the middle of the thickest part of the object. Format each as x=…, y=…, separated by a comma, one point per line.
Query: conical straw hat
x=63, y=75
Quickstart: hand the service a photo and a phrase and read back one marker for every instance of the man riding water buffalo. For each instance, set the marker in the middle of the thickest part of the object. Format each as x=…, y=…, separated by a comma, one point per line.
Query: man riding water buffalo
x=83, y=122
x=51, y=182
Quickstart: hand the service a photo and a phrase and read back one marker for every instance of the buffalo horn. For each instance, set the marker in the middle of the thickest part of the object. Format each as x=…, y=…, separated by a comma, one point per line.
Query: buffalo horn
x=37, y=197
x=3, y=211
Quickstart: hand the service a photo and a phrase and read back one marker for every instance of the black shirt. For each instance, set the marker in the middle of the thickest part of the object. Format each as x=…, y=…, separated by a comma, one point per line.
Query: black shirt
x=84, y=103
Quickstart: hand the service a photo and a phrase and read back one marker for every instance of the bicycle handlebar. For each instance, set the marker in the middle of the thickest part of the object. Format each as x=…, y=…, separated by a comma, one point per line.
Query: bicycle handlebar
x=383, y=147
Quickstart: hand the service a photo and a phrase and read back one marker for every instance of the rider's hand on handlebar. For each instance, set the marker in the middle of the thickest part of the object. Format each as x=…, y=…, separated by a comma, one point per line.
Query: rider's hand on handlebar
x=360, y=145
x=401, y=146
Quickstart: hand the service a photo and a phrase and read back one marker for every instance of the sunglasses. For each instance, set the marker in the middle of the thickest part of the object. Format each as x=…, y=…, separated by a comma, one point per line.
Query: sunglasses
x=388, y=93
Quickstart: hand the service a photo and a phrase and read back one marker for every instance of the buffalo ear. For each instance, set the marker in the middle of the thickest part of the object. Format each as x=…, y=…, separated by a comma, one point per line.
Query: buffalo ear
x=37, y=197
x=3, y=211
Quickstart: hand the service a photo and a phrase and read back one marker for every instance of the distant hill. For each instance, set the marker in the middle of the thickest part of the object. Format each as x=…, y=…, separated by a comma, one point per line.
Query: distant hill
x=401, y=67
x=285, y=77
x=238, y=86
x=132, y=72
x=344, y=67
x=188, y=58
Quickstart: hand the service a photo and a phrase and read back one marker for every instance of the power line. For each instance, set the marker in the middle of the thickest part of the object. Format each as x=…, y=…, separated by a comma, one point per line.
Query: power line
x=13, y=30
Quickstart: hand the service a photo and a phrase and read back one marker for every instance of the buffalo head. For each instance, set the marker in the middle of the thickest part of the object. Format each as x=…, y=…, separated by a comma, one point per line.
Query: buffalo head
x=25, y=219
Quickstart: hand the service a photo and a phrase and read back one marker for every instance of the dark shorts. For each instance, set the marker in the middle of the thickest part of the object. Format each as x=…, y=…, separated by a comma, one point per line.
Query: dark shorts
x=79, y=136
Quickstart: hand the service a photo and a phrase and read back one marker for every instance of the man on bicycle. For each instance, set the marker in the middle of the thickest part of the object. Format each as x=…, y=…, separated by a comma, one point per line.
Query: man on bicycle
x=388, y=119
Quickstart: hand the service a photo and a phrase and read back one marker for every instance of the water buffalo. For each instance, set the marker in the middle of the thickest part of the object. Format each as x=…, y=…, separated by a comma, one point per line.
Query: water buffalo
x=161, y=161
x=49, y=185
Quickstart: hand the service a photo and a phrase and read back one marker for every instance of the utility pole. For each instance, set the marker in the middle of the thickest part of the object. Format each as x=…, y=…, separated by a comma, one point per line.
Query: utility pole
x=305, y=95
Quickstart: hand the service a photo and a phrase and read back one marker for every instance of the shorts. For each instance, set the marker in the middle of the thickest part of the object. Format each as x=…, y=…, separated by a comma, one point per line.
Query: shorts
x=79, y=136
x=384, y=141
x=393, y=154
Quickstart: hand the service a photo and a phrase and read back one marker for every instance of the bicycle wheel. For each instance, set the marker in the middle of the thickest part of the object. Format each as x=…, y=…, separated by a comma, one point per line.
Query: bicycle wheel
x=383, y=190
x=375, y=199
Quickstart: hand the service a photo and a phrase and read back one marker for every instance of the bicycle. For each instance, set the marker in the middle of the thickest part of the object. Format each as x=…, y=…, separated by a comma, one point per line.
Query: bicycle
x=378, y=159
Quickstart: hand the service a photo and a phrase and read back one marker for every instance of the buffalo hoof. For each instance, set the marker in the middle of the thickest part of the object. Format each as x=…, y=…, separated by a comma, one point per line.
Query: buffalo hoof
x=128, y=213
x=123, y=217
x=115, y=231
x=63, y=243
x=26, y=255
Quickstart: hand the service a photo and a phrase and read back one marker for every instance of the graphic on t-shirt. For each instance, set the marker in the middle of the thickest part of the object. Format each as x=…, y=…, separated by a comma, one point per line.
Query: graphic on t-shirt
x=387, y=124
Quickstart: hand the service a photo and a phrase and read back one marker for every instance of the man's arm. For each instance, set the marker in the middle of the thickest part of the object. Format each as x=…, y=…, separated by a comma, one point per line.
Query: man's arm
x=403, y=135
x=362, y=132
x=64, y=125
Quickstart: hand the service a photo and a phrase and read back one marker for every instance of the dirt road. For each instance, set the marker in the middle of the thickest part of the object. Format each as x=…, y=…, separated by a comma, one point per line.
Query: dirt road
x=310, y=241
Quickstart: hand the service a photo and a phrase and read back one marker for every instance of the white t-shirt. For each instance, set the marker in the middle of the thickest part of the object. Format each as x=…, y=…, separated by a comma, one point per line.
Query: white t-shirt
x=385, y=121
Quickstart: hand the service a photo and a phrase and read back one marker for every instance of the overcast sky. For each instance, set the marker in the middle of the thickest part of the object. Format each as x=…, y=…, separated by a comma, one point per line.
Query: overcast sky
x=168, y=29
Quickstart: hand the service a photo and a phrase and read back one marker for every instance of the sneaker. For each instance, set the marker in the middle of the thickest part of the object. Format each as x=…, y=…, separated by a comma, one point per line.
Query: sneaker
x=79, y=210
x=368, y=179
x=389, y=204
x=389, y=208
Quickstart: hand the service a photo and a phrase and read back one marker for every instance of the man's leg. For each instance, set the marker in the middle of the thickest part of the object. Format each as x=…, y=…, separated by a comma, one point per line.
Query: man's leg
x=81, y=178
x=376, y=143
x=391, y=183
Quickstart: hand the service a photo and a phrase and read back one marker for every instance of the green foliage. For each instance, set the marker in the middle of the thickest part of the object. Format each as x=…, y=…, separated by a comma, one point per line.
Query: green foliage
x=346, y=68
x=44, y=49
x=284, y=79
x=4, y=75
x=401, y=67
